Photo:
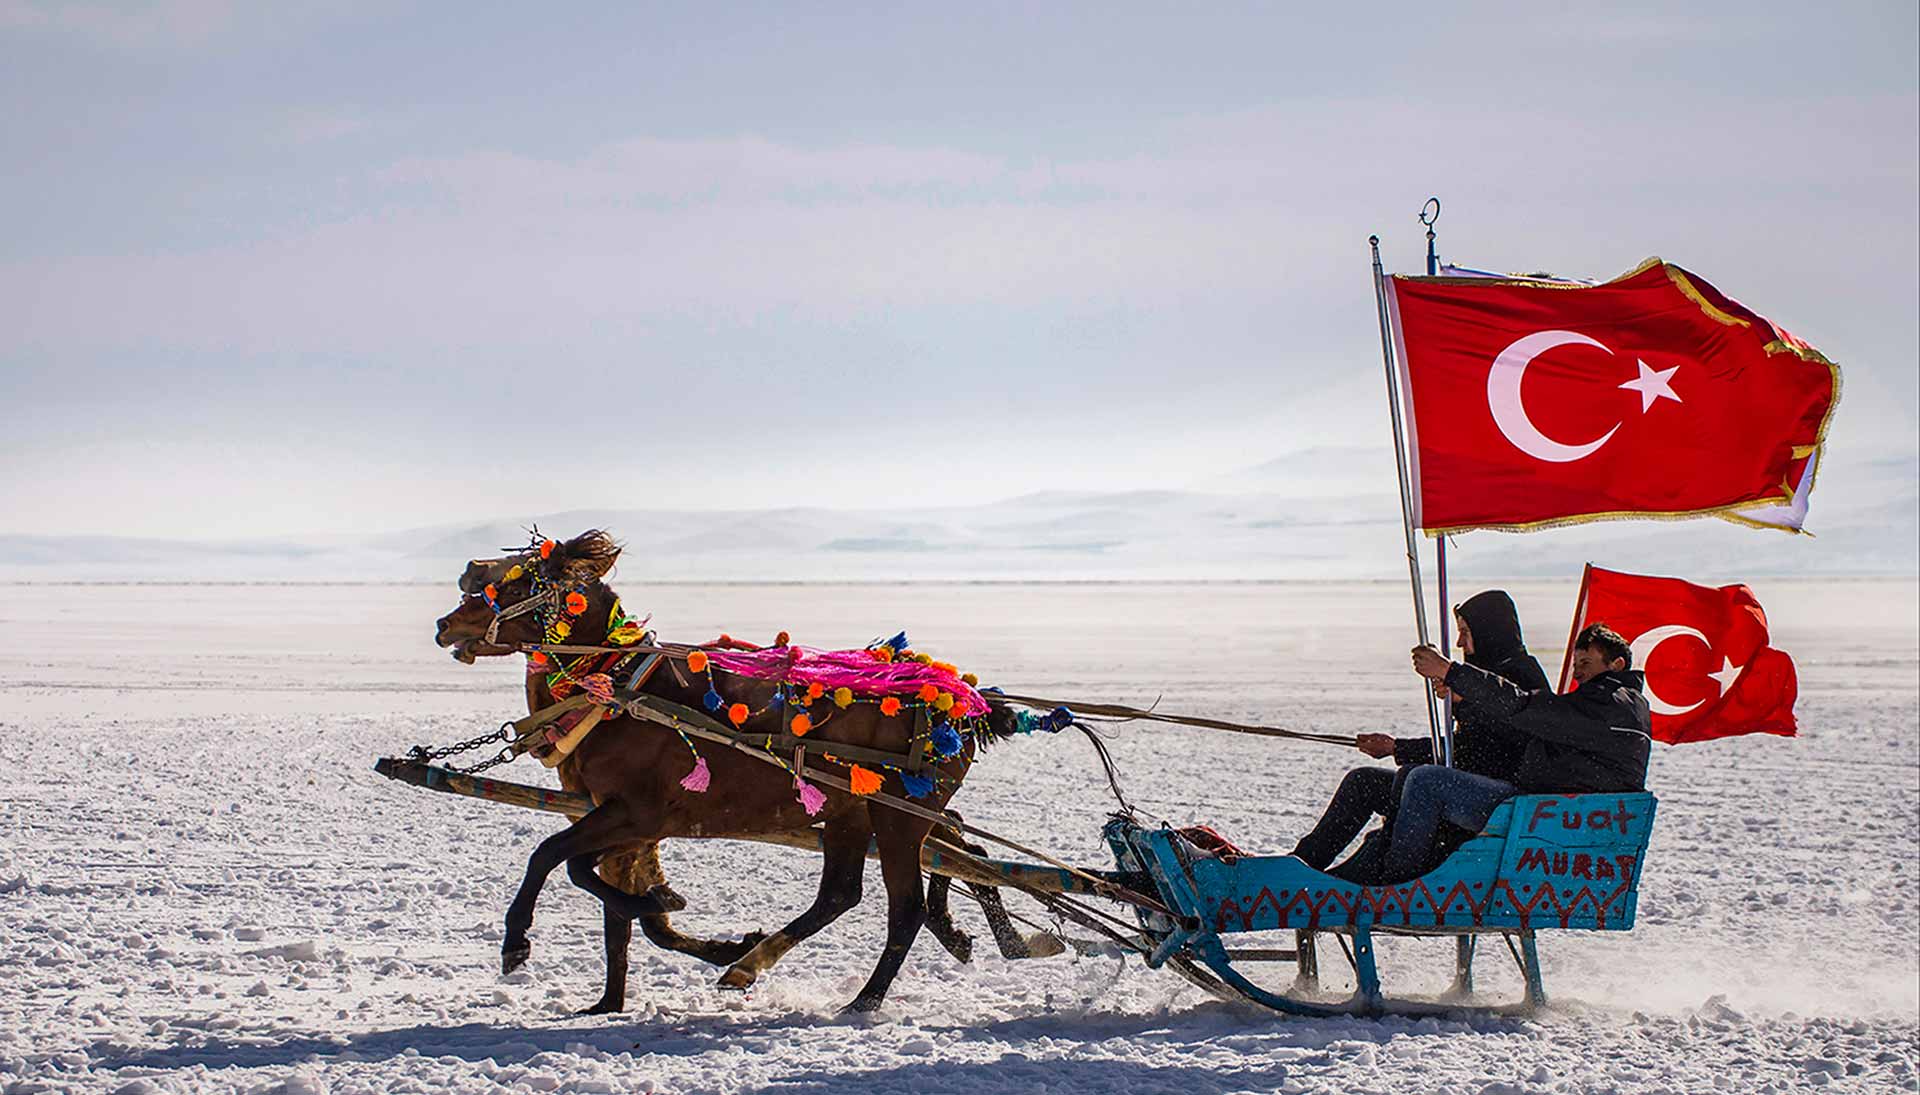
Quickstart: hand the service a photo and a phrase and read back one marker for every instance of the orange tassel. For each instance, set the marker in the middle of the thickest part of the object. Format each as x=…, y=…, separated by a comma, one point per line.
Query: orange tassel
x=697, y=661
x=890, y=706
x=801, y=724
x=863, y=782
x=738, y=713
x=546, y=549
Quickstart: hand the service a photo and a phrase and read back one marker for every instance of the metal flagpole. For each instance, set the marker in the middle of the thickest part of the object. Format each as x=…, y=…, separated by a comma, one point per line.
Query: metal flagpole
x=1429, y=216
x=1406, y=493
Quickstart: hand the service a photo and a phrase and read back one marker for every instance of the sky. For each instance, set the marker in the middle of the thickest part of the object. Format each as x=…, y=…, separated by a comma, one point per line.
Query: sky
x=345, y=268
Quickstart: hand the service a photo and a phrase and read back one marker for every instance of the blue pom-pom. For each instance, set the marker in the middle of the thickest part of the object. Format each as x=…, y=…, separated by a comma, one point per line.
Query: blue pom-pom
x=917, y=786
x=946, y=742
x=712, y=700
x=1059, y=719
x=779, y=698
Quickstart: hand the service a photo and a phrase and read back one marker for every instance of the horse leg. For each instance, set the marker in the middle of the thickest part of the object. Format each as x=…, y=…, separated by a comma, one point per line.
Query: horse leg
x=940, y=919
x=641, y=873
x=899, y=839
x=607, y=825
x=617, y=930
x=843, y=846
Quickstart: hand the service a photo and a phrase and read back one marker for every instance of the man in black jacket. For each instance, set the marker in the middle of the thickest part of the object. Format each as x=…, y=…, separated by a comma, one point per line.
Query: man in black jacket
x=1489, y=628
x=1595, y=738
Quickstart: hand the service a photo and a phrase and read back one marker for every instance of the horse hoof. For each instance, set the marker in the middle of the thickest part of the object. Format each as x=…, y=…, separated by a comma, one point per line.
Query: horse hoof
x=737, y=979
x=863, y=1005
x=513, y=957
x=663, y=896
x=605, y=1006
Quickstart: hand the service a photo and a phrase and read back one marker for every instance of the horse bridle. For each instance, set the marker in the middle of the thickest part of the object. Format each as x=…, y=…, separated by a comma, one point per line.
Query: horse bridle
x=547, y=598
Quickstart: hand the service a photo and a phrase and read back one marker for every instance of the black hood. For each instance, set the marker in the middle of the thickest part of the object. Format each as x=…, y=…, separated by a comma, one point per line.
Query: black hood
x=1495, y=624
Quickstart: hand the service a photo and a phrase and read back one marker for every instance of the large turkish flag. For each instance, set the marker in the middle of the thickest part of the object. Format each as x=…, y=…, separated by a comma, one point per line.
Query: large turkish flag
x=1534, y=403
x=1710, y=673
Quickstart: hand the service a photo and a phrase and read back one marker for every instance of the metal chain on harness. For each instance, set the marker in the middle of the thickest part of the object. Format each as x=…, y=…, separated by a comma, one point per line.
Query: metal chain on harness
x=425, y=755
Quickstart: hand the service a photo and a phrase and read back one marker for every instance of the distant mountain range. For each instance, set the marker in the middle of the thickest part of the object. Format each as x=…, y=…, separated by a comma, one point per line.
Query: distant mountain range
x=1317, y=513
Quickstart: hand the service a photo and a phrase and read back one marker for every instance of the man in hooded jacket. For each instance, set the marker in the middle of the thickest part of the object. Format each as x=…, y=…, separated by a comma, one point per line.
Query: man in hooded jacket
x=1489, y=631
x=1596, y=738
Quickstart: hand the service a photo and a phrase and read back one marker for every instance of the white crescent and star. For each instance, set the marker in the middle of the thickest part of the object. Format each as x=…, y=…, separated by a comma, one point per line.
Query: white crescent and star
x=1650, y=640
x=1510, y=413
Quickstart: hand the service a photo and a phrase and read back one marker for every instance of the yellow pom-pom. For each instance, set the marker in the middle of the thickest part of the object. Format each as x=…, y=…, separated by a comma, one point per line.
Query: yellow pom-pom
x=697, y=661
x=843, y=697
x=561, y=629
x=923, y=659
x=943, y=702
x=801, y=724
x=972, y=679
x=863, y=782
x=514, y=572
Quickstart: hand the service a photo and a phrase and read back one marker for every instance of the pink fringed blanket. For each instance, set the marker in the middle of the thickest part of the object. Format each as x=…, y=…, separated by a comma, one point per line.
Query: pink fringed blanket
x=858, y=670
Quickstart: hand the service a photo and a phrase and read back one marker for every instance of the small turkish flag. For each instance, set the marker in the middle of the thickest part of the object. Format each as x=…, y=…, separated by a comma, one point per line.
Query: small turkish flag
x=1534, y=402
x=1710, y=673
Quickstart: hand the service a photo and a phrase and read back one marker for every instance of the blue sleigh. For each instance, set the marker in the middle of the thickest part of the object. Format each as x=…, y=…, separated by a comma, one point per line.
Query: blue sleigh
x=1542, y=861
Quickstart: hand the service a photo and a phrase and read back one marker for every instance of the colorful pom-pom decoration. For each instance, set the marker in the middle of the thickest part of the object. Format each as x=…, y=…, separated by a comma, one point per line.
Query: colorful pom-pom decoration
x=882, y=653
x=890, y=706
x=737, y=714
x=811, y=797
x=801, y=724
x=843, y=697
x=712, y=700
x=917, y=786
x=946, y=667
x=943, y=702
x=576, y=603
x=945, y=741
x=779, y=698
x=972, y=679
x=561, y=629
x=700, y=778
x=815, y=691
x=862, y=782
x=514, y=572
x=928, y=692
x=536, y=658
x=923, y=659
x=782, y=639
x=697, y=661
x=546, y=549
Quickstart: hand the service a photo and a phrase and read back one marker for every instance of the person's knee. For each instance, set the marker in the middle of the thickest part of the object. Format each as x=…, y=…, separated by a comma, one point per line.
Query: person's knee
x=1360, y=781
x=1424, y=783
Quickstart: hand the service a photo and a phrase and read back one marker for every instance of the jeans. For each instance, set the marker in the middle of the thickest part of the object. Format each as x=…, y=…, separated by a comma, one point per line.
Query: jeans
x=1362, y=794
x=1434, y=794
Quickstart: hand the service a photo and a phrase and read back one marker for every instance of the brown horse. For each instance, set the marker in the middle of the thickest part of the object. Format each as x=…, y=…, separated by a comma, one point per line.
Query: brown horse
x=635, y=870
x=632, y=770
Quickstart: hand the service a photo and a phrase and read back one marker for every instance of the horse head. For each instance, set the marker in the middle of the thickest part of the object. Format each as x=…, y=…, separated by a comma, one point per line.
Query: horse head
x=551, y=592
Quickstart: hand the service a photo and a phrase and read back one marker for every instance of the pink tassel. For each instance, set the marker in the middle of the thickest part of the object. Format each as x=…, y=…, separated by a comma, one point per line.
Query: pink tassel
x=698, y=779
x=599, y=686
x=811, y=797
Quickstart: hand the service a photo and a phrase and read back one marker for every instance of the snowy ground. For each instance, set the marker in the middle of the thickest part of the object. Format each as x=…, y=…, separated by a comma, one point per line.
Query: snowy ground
x=204, y=886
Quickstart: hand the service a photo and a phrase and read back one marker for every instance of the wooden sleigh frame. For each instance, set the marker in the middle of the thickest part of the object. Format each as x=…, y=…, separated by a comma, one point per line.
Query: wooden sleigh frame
x=1542, y=861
